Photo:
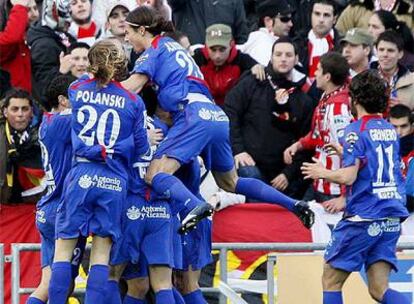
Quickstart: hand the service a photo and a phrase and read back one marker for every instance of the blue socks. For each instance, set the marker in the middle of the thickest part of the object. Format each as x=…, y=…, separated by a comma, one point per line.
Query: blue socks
x=112, y=295
x=164, y=296
x=171, y=187
x=195, y=297
x=259, y=191
x=32, y=300
x=96, y=284
x=393, y=297
x=177, y=296
x=60, y=282
x=332, y=297
x=131, y=300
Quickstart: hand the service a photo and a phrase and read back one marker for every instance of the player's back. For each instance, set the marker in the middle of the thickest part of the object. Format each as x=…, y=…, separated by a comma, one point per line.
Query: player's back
x=109, y=118
x=172, y=68
x=55, y=143
x=379, y=190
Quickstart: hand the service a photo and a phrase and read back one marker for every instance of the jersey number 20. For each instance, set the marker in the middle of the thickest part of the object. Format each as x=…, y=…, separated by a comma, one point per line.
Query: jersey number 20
x=88, y=136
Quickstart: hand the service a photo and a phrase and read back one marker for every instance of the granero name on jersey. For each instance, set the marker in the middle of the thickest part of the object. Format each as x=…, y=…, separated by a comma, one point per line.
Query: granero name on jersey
x=109, y=100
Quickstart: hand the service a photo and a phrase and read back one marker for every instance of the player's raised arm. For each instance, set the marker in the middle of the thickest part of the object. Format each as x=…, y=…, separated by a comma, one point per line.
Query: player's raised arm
x=135, y=82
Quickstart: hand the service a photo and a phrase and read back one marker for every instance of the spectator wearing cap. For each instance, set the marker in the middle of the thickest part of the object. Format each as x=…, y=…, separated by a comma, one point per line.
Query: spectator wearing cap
x=48, y=41
x=83, y=28
x=100, y=9
x=193, y=18
x=357, y=48
x=221, y=63
x=15, y=54
x=116, y=14
x=322, y=37
x=275, y=20
x=115, y=24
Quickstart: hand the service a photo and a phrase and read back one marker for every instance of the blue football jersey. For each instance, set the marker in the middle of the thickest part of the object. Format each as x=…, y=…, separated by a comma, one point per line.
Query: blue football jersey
x=141, y=163
x=379, y=189
x=55, y=144
x=109, y=119
x=167, y=64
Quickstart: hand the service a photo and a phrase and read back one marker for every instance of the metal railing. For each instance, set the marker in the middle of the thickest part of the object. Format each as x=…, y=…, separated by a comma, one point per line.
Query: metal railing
x=222, y=247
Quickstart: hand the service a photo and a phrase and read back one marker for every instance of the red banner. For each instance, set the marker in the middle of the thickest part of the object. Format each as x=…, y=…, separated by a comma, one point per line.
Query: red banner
x=17, y=225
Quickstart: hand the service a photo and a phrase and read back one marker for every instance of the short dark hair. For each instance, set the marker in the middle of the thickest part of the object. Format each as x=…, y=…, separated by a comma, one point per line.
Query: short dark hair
x=327, y=2
x=78, y=45
x=58, y=86
x=285, y=39
x=401, y=111
x=370, y=91
x=17, y=93
x=336, y=65
x=392, y=37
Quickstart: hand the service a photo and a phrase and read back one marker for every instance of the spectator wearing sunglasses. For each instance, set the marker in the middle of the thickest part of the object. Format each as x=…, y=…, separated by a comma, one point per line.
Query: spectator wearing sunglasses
x=275, y=20
x=322, y=37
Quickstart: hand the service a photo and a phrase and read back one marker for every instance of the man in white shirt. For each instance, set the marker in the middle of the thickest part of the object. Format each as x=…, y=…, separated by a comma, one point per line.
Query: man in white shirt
x=275, y=21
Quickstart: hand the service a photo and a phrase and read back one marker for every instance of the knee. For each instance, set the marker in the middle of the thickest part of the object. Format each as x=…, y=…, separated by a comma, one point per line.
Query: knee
x=376, y=291
x=330, y=282
x=138, y=288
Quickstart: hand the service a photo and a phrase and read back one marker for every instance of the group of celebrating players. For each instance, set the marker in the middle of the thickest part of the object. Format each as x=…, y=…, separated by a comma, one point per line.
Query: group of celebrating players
x=107, y=177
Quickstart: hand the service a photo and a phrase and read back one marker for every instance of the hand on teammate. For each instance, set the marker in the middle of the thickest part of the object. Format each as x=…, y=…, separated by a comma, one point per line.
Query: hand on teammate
x=258, y=70
x=155, y=136
x=334, y=148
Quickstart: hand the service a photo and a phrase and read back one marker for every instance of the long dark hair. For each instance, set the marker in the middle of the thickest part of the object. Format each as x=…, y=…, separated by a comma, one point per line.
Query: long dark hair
x=149, y=18
x=390, y=22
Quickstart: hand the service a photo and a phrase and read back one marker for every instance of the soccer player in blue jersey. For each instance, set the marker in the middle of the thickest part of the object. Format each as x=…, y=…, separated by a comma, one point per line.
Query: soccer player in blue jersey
x=107, y=132
x=55, y=143
x=147, y=229
x=375, y=203
x=200, y=127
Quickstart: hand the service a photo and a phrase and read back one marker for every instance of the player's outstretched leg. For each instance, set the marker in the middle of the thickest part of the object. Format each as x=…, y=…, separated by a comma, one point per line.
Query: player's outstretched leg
x=258, y=190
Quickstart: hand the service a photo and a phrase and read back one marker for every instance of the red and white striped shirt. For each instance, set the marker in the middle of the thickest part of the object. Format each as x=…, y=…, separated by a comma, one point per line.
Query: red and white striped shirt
x=329, y=120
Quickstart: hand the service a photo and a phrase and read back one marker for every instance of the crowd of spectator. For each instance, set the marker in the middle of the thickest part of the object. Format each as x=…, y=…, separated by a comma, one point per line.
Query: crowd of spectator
x=279, y=68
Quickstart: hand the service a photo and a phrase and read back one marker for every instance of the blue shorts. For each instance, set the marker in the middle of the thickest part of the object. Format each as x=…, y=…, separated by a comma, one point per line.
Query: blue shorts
x=146, y=230
x=354, y=244
x=93, y=202
x=201, y=129
x=45, y=222
x=197, y=246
